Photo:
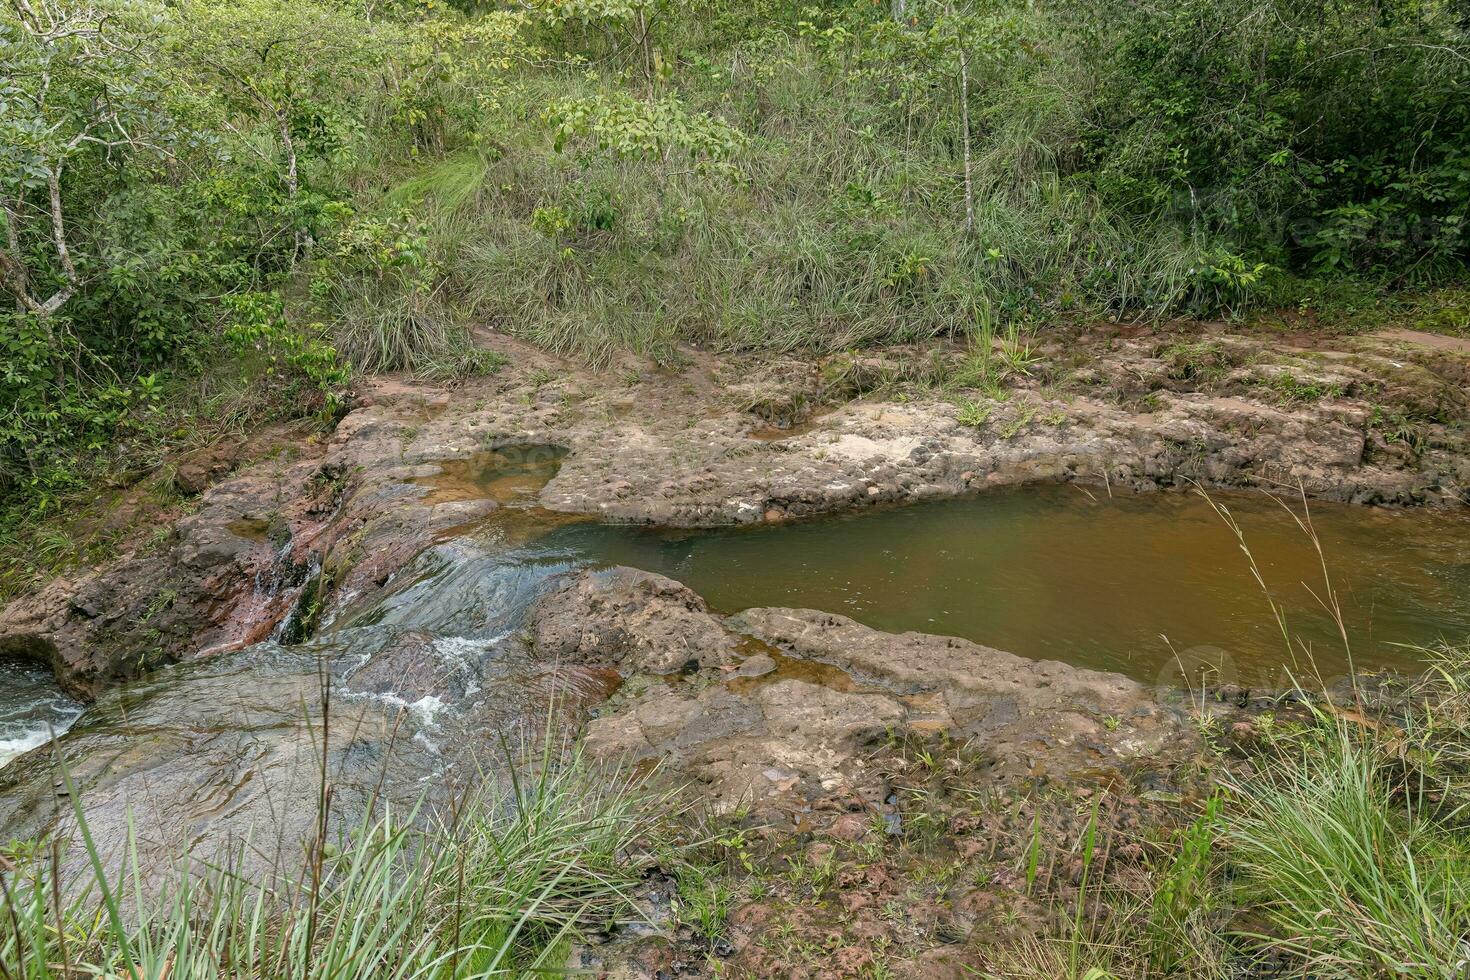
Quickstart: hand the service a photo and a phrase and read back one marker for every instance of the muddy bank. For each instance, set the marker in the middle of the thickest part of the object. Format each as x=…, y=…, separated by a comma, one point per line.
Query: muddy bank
x=729, y=441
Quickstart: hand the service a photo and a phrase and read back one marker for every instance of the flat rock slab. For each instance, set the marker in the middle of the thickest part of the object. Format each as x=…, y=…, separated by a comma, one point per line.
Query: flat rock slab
x=825, y=693
x=1434, y=341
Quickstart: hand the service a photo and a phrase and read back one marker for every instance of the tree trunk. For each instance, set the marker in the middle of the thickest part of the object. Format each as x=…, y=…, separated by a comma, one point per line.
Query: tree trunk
x=304, y=240
x=965, y=135
x=13, y=271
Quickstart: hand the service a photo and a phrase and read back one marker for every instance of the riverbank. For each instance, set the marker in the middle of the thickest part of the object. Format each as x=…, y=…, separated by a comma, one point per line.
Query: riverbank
x=827, y=801
x=351, y=629
x=1362, y=419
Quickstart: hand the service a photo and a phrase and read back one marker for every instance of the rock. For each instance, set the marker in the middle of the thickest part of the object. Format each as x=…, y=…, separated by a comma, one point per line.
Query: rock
x=851, y=961
x=941, y=963
x=198, y=470
x=679, y=455
x=1243, y=732
x=637, y=621
x=793, y=739
x=756, y=665
x=200, y=756
x=849, y=827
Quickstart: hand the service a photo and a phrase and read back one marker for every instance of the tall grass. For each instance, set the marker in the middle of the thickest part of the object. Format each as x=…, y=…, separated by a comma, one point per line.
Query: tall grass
x=824, y=237
x=498, y=888
x=1341, y=850
x=1352, y=880
x=871, y=200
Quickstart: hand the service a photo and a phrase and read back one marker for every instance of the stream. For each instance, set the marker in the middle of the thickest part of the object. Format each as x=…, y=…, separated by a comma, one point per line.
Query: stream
x=31, y=707
x=1155, y=586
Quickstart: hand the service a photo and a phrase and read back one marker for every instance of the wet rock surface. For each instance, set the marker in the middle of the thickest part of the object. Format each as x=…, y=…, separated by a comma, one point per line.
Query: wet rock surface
x=227, y=756
x=375, y=564
x=404, y=703
x=404, y=706
x=634, y=620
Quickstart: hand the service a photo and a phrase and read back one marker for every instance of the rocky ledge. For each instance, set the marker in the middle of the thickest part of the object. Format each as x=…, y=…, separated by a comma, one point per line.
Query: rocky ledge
x=786, y=713
x=280, y=545
x=784, y=710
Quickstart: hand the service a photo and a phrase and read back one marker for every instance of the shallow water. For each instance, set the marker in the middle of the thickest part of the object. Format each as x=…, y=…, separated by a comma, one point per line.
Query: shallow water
x=1155, y=586
x=31, y=707
x=509, y=475
x=1141, y=584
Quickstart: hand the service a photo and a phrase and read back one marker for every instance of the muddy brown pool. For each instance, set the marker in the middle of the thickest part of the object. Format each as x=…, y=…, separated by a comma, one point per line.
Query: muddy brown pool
x=1141, y=584
x=1155, y=586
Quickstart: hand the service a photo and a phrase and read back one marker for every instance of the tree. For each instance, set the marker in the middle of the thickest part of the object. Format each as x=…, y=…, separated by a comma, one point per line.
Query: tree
x=71, y=89
x=287, y=77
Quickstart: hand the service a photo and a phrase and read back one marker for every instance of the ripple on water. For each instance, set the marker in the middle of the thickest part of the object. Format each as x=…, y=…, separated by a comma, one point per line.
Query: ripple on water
x=32, y=707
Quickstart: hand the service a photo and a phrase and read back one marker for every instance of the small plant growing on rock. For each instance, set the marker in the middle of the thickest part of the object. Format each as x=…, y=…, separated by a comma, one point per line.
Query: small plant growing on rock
x=1024, y=416
x=973, y=414
x=1289, y=389
x=1017, y=356
x=1203, y=361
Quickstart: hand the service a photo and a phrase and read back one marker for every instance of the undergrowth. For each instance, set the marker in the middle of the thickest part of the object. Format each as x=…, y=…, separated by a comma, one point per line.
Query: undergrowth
x=372, y=187
x=1339, y=849
x=499, y=888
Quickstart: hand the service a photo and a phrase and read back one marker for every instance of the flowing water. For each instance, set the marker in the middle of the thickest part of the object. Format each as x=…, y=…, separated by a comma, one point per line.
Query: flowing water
x=1155, y=586
x=31, y=707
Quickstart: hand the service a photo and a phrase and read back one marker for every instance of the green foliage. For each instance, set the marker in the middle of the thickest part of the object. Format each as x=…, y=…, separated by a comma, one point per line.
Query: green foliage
x=706, y=900
x=1185, y=892
x=1352, y=882
x=499, y=892
x=1196, y=361
x=380, y=279
x=973, y=414
x=159, y=175
x=1329, y=136
x=290, y=356
x=586, y=12
x=631, y=128
x=1288, y=388
x=597, y=175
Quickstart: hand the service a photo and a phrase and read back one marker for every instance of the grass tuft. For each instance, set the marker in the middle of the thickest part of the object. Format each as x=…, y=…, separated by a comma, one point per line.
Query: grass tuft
x=499, y=890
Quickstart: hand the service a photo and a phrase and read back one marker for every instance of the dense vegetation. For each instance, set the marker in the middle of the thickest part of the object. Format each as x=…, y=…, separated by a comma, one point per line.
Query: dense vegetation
x=214, y=211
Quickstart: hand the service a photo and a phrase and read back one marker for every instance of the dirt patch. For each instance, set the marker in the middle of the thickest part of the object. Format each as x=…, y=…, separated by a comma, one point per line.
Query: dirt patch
x=1434, y=341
